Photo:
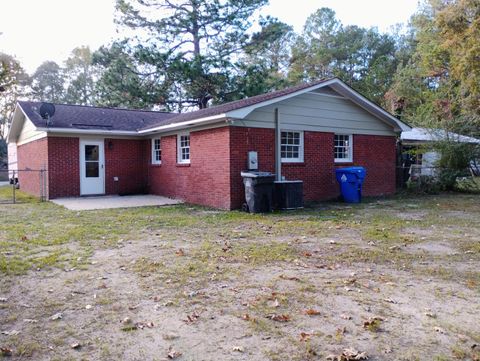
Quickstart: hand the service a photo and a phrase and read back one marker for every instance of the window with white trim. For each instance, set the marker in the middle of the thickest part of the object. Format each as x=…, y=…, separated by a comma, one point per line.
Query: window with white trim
x=343, y=148
x=183, y=148
x=156, y=151
x=291, y=144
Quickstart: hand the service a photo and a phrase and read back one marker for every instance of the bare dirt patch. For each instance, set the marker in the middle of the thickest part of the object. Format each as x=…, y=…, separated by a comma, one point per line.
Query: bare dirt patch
x=194, y=284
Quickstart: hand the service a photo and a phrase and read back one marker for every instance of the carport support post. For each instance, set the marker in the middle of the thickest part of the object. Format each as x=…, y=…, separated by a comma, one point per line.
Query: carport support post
x=278, y=148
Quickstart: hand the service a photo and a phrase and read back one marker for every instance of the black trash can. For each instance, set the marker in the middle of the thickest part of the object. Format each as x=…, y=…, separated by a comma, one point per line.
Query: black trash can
x=258, y=191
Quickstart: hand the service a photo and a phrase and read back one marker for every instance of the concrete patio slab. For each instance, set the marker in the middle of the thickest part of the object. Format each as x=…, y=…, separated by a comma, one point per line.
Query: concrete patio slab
x=107, y=202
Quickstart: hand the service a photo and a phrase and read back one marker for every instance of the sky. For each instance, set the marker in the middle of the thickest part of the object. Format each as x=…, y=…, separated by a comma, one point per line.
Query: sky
x=38, y=30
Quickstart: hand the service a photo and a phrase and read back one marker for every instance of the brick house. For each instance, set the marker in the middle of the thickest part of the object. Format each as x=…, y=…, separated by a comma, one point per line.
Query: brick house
x=198, y=156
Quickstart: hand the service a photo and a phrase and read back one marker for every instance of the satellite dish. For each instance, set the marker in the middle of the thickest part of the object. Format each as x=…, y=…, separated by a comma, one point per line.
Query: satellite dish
x=47, y=110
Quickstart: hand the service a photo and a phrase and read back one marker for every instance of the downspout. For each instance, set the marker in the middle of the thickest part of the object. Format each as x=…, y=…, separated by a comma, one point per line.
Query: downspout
x=278, y=149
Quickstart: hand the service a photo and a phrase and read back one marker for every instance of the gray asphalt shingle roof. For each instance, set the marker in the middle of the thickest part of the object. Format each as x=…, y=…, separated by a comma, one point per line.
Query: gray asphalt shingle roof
x=88, y=117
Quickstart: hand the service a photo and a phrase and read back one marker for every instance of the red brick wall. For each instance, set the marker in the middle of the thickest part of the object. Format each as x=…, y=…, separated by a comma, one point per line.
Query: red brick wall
x=376, y=153
x=206, y=180
x=125, y=159
x=213, y=176
x=63, y=167
x=243, y=140
x=32, y=157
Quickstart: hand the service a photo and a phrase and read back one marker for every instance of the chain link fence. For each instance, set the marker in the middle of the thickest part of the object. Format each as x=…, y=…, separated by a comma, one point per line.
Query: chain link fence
x=15, y=184
x=33, y=181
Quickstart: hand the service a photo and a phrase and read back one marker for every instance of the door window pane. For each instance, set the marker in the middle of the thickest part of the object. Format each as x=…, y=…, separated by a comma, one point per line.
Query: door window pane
x=91, y=152
x=91, y=169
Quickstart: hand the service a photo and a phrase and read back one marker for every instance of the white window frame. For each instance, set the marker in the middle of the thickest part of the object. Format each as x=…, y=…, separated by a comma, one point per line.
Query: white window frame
x=154, y=151
x=349, y=159
x=179, y=148
x=301, y=147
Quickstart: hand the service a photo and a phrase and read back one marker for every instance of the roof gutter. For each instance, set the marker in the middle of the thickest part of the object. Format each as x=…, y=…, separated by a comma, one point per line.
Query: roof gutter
x=87, y=131
x=185, y=124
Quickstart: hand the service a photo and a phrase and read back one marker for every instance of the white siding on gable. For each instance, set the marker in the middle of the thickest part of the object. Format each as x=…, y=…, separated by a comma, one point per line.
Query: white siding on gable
x=29, y=133
x=12, y=158
x=318, y=112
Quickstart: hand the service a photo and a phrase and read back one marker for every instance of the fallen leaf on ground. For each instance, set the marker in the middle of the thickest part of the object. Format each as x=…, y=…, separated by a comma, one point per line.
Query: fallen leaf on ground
x=293, y=278
x=56, y=316
x=11, y=333
x=273, y=295
x=311, y=312
x=373, y=323
x=279, y=318
x=304, y=336
x=389, y=300
x=246, y=317
x=192, y=318
x=30, y=320
x=348, y=354
x=142, y=325
x=5, y=351
x=173, y=354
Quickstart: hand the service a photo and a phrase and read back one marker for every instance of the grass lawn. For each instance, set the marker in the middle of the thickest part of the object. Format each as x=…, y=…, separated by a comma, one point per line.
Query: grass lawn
x=398, y=279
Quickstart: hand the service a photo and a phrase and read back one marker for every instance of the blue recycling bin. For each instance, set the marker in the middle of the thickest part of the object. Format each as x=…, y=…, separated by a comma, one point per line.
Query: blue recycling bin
x=351, y=180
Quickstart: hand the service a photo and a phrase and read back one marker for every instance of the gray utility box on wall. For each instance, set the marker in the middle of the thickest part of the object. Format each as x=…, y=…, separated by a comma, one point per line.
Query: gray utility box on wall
x=288, y=194
x=252, y=160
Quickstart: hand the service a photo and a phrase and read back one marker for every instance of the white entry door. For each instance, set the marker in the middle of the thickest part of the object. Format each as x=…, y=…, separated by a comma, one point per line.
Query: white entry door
x=92, y=170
